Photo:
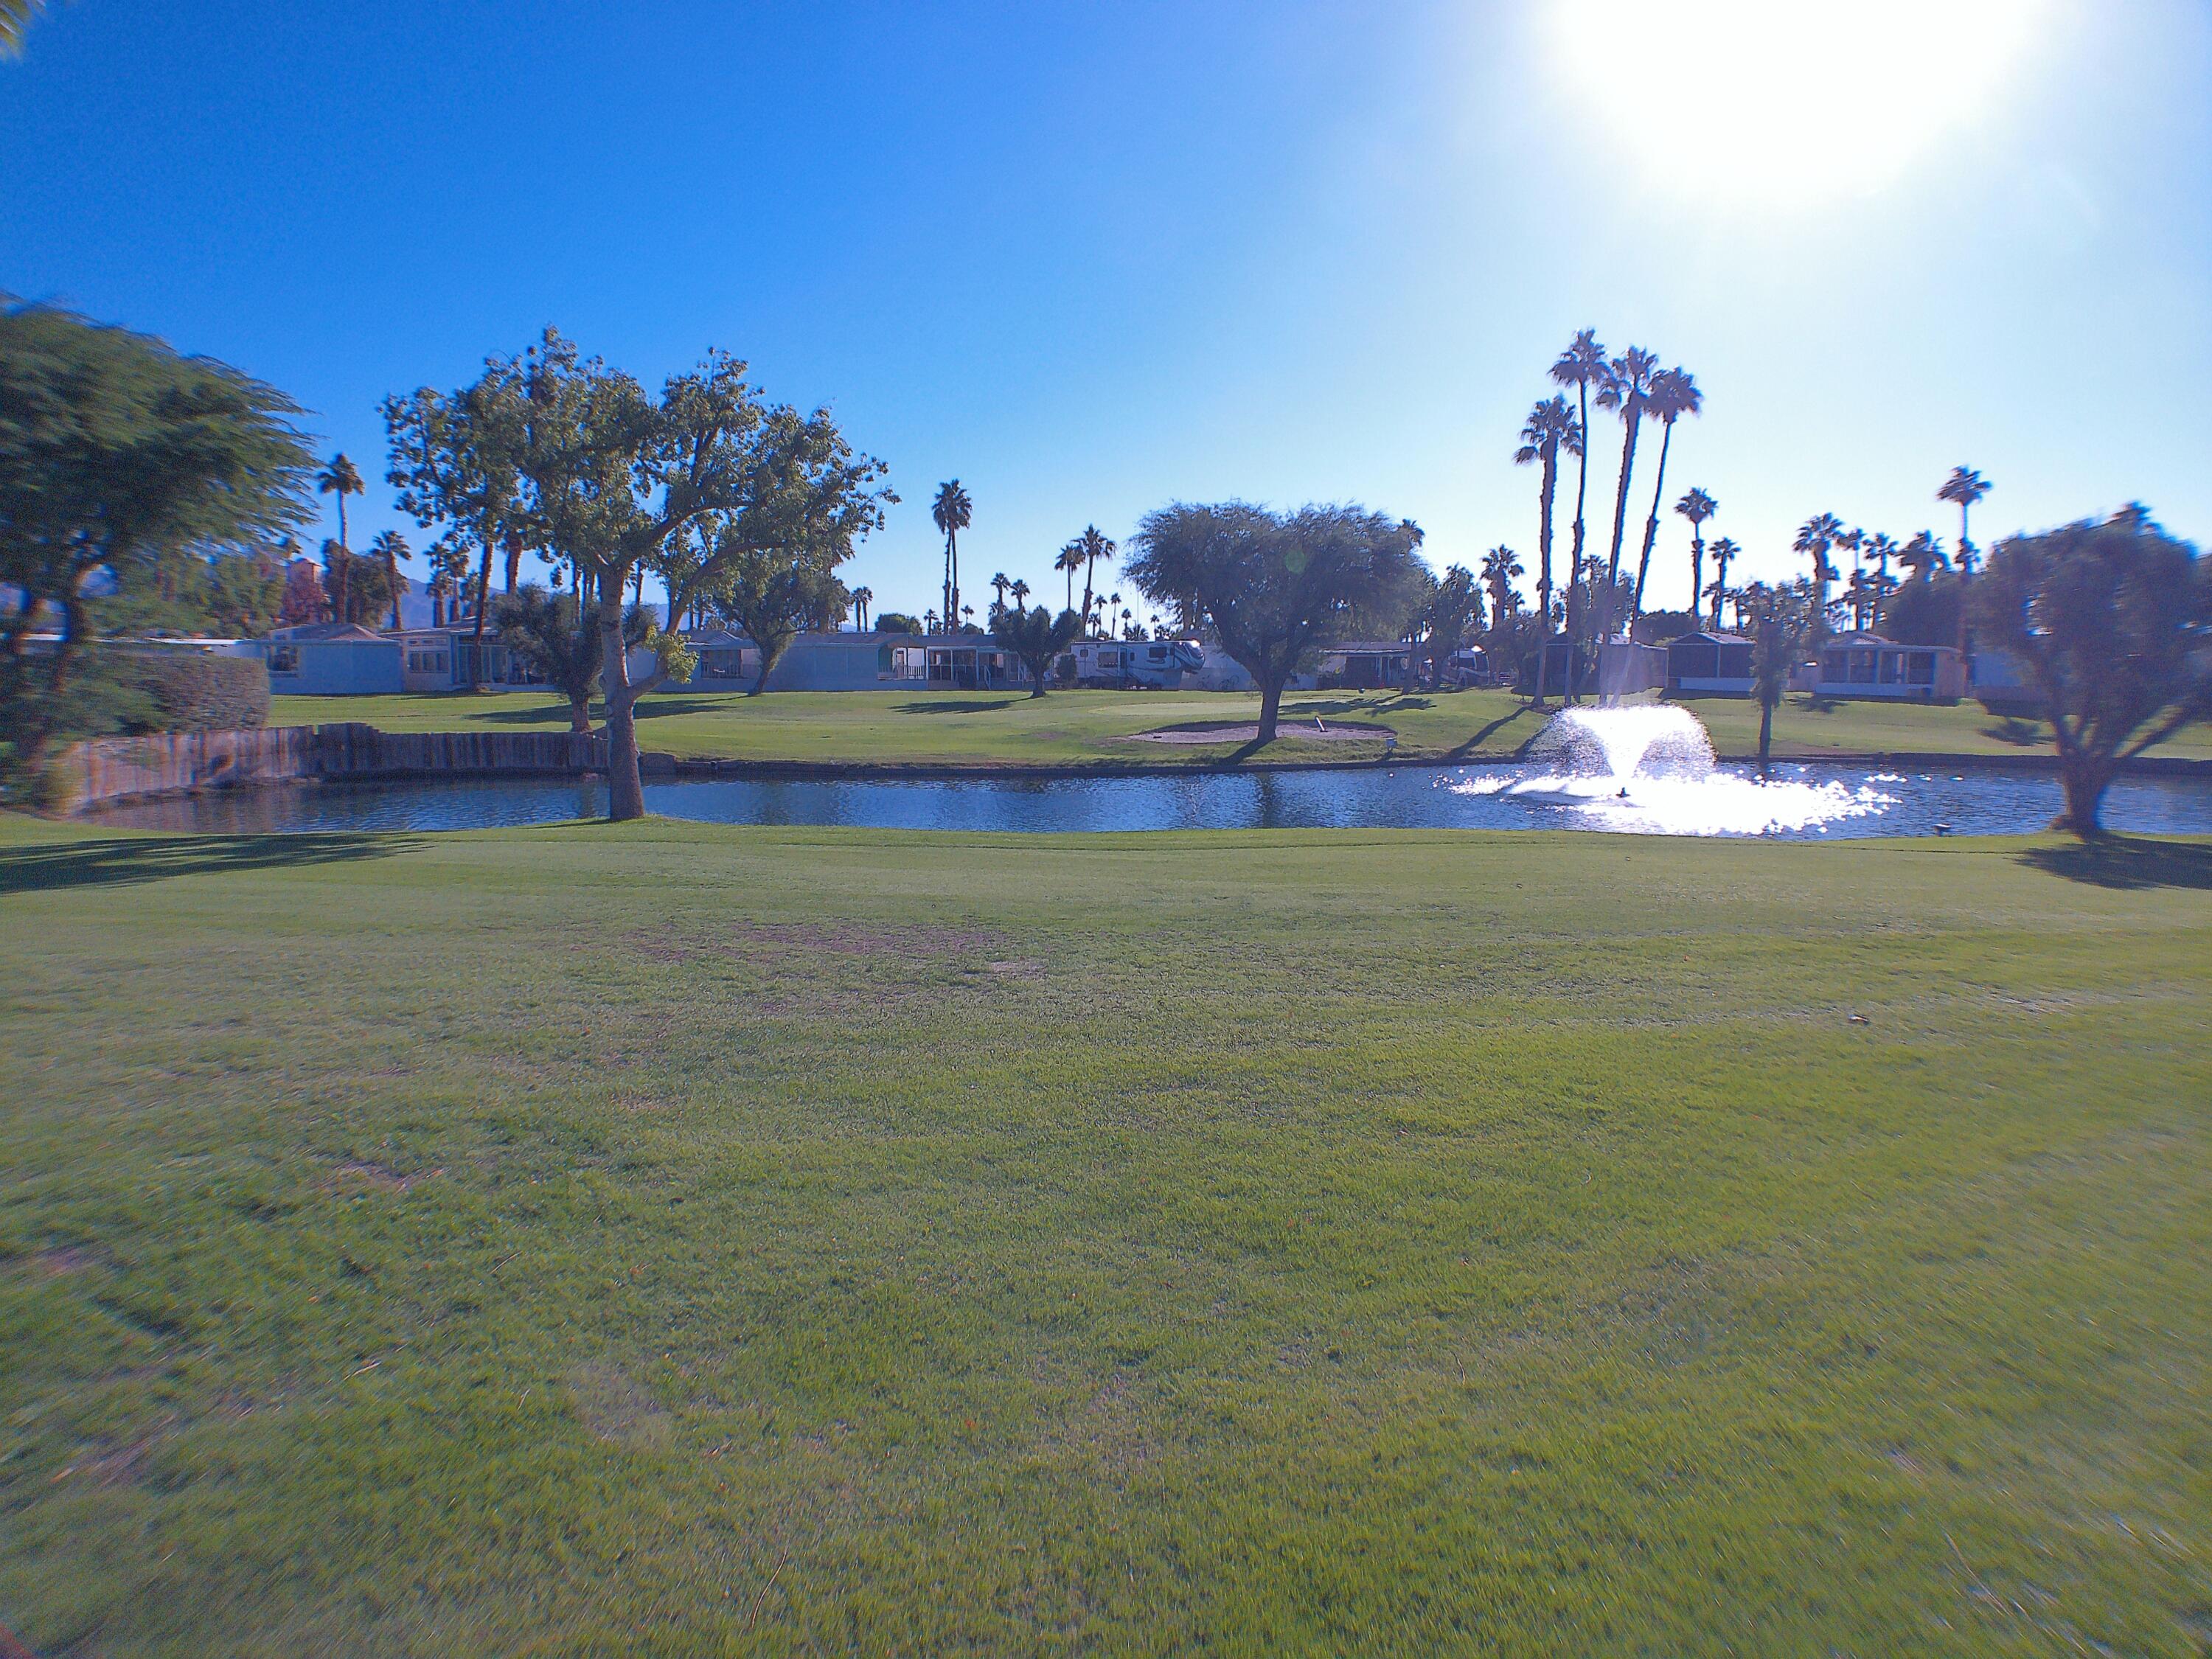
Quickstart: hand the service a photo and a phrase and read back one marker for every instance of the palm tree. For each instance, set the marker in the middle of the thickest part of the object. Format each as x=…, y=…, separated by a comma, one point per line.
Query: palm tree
x=929, y=622
x=1095, y=547
x=1965, y=486
x=1881, y=549
x=1020, y=590
x=1070, y=561
x=951, y=513
x=1581, y=366
x=999, y=586
x=1814, y=537
x=1923, y=556
x=16, y=18
x=1499, y=568
x=391, y=547
x=1550, y=426
x=1696, y=507
x=340, y=478
x=1725, y=549
x=1627, y=390
x=1674, y=394
x=862, y=598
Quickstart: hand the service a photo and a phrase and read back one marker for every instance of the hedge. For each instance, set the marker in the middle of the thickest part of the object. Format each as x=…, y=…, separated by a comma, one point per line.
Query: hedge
x=195, y=691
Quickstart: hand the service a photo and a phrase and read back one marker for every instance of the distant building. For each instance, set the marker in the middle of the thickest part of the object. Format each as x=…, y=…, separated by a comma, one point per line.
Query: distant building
x=1866, y=665
x=1709, y=665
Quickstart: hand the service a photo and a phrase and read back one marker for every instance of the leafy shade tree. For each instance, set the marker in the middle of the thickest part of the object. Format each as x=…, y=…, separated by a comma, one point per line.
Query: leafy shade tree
x=951, y=513
x=774, y=596
x=1724, y=553
x=244, y=593
x=551, y=637
x=354, y=587
x=115, y=453
x=340, y=477
x=452, y=460
x=1551, y=428
x=605, y=477
x=391, y=547
x=1674, y=394
x=1627, y=390
x=1696, y=507
x=897, y=621
x=1278, y=588
x=1035, y=637
x=2113, y=623
x=1451, y=616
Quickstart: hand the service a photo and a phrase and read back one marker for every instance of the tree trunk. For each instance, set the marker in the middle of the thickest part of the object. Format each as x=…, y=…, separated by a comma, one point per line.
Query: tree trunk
x=2083, y=782
x=580, y=716
x=1765, y=733
x=391, y=572
x=1620, y=500
x=625, y=789
x=483, y=599
x=513, y=562
x=1697, y=567
x=1651, y=525
x=1271, y=704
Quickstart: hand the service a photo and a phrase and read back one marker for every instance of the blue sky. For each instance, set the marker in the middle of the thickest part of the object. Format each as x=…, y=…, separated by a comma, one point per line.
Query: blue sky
x=1091, y=259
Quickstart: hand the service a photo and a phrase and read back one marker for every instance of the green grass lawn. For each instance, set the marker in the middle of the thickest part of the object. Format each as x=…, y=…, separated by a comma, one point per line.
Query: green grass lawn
x=668, y=1239
x=1096, y=728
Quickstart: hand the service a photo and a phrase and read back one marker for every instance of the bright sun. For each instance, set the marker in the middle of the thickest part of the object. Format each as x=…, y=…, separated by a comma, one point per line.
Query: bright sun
x=1785, y=100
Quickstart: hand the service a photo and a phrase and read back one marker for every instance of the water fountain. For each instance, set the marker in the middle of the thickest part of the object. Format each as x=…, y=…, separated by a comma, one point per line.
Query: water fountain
x=1651, y=766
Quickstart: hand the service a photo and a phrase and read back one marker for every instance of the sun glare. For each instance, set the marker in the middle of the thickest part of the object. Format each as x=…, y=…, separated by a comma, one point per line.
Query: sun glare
x=1789, y=100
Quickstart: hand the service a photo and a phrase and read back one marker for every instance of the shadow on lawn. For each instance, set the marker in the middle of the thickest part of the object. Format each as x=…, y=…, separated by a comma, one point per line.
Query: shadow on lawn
x=125, y=862
x=2125, y=861
x=953, y=706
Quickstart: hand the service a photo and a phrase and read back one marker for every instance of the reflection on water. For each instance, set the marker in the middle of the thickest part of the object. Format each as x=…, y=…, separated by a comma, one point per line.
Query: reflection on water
x=1800, y=802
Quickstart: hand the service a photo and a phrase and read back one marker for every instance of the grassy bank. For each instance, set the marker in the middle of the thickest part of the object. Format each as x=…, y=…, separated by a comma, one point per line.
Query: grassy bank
x=1099, y=727
x=667, y=1239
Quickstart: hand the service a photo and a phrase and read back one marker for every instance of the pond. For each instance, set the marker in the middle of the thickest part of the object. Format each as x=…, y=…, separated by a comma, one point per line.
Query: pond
x=1800, y=802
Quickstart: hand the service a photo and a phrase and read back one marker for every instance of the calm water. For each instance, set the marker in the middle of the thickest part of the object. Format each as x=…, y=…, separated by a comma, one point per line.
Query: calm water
x=1806, y=802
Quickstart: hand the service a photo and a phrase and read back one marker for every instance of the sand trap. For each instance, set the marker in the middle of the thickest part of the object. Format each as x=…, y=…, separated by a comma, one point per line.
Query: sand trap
x=1226, y=732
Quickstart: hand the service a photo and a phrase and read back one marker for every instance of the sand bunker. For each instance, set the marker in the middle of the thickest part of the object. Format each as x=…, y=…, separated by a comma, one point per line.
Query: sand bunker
x=1226, y=732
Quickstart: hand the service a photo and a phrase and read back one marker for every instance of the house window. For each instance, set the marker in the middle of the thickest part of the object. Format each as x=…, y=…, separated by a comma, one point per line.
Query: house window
x=283, y=658
x=1920, y=670
x=1893, y=667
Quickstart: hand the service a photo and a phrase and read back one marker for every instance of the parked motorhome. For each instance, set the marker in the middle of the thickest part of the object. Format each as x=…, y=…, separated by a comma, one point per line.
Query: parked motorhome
x=1364, y=666
x=1156, y=665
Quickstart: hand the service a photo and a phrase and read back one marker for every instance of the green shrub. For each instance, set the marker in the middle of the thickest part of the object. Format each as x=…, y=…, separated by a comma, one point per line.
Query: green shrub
x=197, y=691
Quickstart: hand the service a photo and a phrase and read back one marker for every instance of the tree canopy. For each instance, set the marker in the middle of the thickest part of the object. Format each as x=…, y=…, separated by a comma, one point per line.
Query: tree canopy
x=117, y=453
x=1035, y=637
x=2112, y=622
x=1276, y=587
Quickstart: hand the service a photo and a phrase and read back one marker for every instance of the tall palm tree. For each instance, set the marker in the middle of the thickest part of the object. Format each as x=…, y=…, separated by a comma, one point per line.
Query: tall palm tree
x=1674, y=394
x=929, y=622
x=951, y=513
x=862, y=598
x=1070, y=561
x=340, y=477
x=1499, y=569
x=1923, y=555
x=1582, y=366
x=1095, y=547
x=1814, y=537
x=1881, y=549
x=1020, y=590
x=1965, y=486
x=1550, y=426
x=999, y=586
x=1696, y=507
x=1725, y=549
x=391, y=547
x=1627, y=390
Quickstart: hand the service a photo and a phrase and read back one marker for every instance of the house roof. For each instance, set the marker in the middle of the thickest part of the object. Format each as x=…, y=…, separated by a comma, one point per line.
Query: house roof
x=1707, y=637
x=319, y=633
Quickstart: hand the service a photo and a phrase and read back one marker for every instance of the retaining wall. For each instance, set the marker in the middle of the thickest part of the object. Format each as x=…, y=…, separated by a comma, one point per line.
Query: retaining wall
x=178, y=762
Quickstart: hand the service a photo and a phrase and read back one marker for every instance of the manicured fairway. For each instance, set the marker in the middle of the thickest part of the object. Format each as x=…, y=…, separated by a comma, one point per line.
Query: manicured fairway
x=672, y=1240
x=1096, y=728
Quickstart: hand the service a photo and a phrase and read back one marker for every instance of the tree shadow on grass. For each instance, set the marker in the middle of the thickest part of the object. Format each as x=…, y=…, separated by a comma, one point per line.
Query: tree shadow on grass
x=1482, y=736
x=2128, y=861
x=956, y=706
x=128, y=861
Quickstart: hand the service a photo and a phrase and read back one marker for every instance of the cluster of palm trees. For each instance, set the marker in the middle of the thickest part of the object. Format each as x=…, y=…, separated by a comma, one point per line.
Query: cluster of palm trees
x=1636, y=388
x=1868, y=591
x=954, y=511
